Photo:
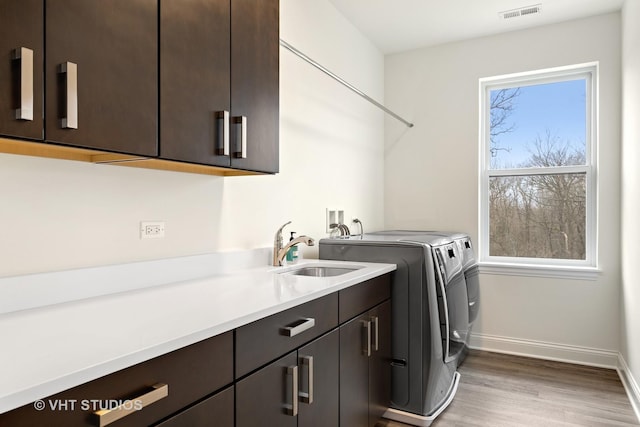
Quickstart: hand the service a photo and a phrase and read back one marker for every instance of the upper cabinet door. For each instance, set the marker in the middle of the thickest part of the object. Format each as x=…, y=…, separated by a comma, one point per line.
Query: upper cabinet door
x=102, y=74
x=255, y=84
x=195, y=99
x=21, y=56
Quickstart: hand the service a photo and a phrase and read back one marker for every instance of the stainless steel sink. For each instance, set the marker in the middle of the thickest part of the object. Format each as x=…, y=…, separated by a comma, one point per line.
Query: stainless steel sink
x=322, y=271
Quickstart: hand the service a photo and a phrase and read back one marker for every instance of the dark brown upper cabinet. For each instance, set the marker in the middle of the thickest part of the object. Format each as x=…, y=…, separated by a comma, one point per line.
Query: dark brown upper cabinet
x=195, y=81
x=21, y=56
x=255, y=84
x=219, y=88
x=101, y=71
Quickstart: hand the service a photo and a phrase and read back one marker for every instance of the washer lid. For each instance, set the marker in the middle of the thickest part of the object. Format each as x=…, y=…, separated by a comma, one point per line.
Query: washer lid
x=404, y=237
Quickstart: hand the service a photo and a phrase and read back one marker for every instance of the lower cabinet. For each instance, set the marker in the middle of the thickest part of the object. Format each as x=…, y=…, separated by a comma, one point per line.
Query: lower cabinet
x=332, y=361
x=319, y=382
x=264, y=398
x=380, y=364
x=299, y=389
x=365, y=352
x=324, y=363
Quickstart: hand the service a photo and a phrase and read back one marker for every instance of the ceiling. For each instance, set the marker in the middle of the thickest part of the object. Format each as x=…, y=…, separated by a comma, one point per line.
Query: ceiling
x=400, y=25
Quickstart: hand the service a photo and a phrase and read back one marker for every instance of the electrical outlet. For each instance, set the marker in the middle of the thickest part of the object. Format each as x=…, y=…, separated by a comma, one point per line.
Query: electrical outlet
x=151, y=229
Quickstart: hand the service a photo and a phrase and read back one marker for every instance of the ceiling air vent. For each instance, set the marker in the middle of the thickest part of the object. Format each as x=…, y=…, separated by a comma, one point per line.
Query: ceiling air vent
x=523, y=11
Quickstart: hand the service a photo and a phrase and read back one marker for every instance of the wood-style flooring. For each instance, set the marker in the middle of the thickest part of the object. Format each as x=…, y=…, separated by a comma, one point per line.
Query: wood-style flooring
x=498, y=390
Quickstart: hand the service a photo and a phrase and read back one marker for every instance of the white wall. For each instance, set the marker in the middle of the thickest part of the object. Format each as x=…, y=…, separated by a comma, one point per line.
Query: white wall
x=630, y=302
x=58, y=214
x=431, y=179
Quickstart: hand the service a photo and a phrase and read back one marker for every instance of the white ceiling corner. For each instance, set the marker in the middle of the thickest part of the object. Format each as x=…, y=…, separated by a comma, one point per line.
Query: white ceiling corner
x=401, y=25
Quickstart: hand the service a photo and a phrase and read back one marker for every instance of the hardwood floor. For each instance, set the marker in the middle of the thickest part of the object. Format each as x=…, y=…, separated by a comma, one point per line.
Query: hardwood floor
x=498, y=390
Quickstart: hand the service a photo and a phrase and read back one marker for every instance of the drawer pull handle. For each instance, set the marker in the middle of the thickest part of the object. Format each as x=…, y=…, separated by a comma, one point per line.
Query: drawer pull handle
x=25, y=56
x=307, y=397
x=240, y=150
x=292, y=371
x=222, y=142
x=376, y=343
x=108, y=416
x=299, y=327
x=366, y=338
x=70, y=118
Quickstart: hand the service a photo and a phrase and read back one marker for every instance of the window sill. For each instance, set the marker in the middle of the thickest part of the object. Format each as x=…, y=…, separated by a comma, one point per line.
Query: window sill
x=548, y=271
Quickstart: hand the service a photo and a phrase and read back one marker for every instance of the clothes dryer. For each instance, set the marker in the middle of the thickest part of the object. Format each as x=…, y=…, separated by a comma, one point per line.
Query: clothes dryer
x=429, y=316
x=471, y=270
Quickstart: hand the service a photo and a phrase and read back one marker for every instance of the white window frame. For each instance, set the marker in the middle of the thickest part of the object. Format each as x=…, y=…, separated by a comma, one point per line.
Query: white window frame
x=544, y=267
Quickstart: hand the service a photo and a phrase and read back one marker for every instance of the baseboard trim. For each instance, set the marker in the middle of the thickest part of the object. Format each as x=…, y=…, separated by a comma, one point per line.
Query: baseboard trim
x=630, y=385
x=545, y=350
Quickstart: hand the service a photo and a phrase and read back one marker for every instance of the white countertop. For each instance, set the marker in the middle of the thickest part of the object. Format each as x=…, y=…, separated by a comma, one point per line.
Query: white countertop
x=51, y=348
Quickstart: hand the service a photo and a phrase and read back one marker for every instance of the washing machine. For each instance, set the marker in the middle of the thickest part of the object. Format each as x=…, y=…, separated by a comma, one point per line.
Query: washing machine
x=429, y=315
x=470, y=269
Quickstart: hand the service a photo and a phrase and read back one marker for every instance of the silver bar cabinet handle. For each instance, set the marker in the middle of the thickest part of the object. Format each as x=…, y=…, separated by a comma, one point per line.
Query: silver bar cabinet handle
x=107, y=416
x=25, y=56
x=376, y=343
x=307, y=362
x=292, y=371
x=366, y=338
x=240, y=122
x=222, y=140
x=70, y=119
x=299, y=327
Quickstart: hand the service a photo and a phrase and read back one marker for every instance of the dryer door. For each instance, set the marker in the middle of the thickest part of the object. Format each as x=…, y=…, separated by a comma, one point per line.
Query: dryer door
x=452, y=303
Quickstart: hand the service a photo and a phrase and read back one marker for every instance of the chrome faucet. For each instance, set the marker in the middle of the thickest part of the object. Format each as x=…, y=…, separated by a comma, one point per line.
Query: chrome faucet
x=279, y=251
x=342, y=228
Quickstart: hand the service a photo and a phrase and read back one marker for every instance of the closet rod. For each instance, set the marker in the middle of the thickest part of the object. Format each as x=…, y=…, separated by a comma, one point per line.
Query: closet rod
x=343, y=82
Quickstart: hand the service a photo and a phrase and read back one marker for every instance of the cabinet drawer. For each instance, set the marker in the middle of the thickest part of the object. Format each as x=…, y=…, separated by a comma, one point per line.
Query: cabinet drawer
x=190, y=373
x=360, y=298
x=216, y=410
x=266, y=339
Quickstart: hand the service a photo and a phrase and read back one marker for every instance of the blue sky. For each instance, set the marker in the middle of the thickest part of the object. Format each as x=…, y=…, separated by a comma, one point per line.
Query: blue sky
x=558, y=107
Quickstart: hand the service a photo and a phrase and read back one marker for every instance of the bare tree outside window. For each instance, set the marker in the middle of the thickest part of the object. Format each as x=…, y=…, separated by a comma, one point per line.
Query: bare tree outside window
x=503, y=102
x=537, y=198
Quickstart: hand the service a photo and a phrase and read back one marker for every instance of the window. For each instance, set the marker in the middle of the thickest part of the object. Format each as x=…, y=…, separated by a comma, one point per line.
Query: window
x=538, y=168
